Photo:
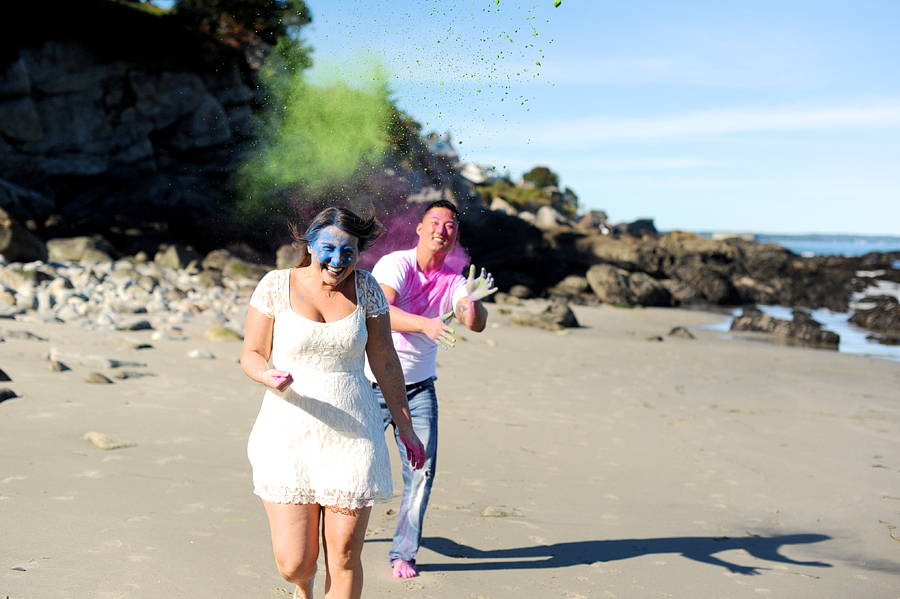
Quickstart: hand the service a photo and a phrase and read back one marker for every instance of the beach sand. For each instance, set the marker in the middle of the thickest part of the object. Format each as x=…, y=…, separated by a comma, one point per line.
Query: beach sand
x=595, y=463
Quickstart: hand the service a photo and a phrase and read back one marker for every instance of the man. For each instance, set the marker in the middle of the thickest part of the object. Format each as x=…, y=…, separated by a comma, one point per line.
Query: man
x=424, y=294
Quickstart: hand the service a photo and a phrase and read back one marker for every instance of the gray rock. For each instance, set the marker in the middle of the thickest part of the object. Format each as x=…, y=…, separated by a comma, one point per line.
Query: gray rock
x=614, y=285
x=4, y=377
x=95, y=378
x=681, y=332
x=500, y=205
x=20, y=121
x=548, y=218
x=90, y=360
x=177, y=257
x=7, y=394
x=287, y=256
x=18, y=244
x=105, y=442
x=802, y=329
x=57, y=366
x=201, y=354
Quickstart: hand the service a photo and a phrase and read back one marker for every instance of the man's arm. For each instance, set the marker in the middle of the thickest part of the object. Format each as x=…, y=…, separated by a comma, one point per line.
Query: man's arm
x=472, y=314
x=469, y=309
x=406, y=322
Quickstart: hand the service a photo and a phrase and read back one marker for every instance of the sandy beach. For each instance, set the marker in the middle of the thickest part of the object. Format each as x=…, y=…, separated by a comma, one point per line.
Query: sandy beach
x=595, y=463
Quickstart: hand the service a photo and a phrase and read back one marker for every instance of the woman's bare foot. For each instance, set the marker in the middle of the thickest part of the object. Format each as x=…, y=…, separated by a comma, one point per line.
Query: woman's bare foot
x=300, y=594
x=404, y=569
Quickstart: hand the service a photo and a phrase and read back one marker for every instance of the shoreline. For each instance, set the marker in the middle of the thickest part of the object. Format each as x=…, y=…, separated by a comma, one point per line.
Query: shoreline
x=572, y=465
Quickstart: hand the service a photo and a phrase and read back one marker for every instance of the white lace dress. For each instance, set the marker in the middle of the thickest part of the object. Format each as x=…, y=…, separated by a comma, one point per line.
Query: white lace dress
x=322, y=440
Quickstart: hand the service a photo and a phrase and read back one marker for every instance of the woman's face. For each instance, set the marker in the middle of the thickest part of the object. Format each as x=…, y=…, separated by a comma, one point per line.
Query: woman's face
x=334, y=253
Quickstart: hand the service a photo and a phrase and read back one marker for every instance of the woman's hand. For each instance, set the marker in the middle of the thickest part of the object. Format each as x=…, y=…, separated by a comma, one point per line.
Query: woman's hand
x=415, y=451
x=276, y=379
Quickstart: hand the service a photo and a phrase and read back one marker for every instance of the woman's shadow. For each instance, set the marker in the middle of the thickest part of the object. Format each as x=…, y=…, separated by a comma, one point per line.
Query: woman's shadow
x=560, y=555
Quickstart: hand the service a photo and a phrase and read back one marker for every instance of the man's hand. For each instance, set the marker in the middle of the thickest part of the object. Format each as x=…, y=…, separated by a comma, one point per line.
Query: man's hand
x=438, y=331
x=479, y=288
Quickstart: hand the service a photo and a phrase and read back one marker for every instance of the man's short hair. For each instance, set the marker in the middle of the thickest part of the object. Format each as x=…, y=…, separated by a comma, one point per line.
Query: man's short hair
x=443, y=204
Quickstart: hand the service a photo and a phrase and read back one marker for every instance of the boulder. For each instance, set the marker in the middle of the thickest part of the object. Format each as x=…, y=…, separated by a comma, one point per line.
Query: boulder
x=23, y=204
x=883, y=318
x=802, y=329
x=501, y=205
x=548, y=218
x=613, y=285
x=92, y=249
x=710, y=283
x=560, y=313
x=287, y=256
x=18, y=244
x=622, y=251
x=638, y=228
x=177, y=256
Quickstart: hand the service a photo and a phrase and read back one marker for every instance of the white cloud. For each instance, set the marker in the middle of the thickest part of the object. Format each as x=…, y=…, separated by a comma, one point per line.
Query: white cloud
x=590, y=131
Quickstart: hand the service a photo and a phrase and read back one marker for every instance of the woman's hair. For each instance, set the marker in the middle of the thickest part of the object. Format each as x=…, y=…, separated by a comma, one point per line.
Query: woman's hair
x=367, y=230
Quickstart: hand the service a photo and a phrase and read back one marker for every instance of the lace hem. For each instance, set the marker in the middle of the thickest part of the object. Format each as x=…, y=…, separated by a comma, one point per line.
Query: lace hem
x=335, y=499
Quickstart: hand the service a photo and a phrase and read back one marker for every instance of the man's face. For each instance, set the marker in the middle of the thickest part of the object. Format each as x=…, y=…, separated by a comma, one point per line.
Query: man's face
x=438, y=230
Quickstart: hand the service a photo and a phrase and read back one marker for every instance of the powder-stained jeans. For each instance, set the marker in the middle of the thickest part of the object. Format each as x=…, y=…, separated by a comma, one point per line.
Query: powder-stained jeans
x=416, y=483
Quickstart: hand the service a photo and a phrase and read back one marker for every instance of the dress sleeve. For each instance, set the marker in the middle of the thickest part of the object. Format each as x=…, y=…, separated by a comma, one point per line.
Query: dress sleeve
x=372, y=296
x=263, y=298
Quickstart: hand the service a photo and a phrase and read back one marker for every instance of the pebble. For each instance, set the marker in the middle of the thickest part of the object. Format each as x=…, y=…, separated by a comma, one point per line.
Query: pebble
x=95, y=378
x=105, y=442
x=201, y=354
x=4, y=377
x=7, y=394
x=499, y=512
x=222, y=333
x=57, y=366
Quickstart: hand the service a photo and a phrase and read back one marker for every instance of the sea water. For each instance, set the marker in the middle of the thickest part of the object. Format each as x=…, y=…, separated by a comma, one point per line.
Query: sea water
x=853, y=339
x=837, y=245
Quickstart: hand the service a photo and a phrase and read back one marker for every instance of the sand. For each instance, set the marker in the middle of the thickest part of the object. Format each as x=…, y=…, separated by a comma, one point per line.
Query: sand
x=589, y=464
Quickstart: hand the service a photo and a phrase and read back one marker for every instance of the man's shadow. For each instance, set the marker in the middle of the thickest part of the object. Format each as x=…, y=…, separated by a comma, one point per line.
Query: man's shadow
x=560, y=555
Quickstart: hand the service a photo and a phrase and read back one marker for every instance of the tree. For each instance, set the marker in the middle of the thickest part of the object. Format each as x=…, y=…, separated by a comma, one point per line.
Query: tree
x=542, y=176
x=268, y=19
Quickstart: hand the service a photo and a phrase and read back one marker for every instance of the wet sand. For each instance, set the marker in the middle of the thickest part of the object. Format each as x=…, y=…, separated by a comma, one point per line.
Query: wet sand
x=590, y=464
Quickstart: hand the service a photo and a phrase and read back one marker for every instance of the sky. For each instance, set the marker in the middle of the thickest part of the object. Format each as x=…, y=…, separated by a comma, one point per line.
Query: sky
x=764, y=116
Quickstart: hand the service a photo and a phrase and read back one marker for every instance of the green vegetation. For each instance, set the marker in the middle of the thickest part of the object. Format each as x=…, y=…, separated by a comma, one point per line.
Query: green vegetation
x=543, y=191
x=542, y=176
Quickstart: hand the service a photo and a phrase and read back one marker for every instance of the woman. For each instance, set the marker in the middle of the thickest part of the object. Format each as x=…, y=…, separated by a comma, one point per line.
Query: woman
x=317, y=449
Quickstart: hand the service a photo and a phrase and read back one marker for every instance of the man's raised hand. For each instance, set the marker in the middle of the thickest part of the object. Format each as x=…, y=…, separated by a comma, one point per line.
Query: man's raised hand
x=479, y=288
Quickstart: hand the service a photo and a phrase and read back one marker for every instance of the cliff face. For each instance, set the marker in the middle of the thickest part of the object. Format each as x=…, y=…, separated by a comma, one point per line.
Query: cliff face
x=117, y=121
x=126, y=124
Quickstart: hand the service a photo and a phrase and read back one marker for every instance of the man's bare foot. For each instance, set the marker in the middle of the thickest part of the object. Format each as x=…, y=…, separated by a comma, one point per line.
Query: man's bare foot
x=404, y=569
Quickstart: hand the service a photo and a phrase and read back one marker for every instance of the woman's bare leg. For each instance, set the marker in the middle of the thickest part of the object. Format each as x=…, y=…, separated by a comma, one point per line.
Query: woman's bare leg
x=343, y=536
x=295, y=540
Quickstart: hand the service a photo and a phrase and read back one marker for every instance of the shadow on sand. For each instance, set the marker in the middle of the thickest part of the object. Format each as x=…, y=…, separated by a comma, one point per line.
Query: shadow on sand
x=560, y=555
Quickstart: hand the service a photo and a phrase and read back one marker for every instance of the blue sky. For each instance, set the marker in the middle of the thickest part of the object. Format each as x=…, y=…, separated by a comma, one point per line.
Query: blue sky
x=761, y=116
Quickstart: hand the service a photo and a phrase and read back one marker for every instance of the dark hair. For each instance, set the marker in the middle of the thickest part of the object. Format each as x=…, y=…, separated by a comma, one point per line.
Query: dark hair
x=443, y=204
x=367, y=230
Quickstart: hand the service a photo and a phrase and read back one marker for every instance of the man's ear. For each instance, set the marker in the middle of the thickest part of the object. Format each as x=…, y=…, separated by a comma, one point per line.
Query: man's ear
x=419, y=228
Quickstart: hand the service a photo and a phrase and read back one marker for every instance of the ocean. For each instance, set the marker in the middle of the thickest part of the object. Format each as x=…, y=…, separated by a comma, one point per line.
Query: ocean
x=832, y=245
x=853, y=339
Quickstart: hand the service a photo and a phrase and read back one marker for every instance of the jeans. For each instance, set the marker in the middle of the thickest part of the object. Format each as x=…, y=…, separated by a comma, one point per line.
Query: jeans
x=416, y=483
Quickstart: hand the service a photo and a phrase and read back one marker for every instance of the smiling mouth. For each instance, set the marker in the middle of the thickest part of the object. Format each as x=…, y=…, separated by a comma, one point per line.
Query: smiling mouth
x=335, y=270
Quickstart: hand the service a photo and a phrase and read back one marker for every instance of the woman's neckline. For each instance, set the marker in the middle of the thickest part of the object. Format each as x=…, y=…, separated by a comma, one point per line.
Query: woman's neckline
x=298, y=315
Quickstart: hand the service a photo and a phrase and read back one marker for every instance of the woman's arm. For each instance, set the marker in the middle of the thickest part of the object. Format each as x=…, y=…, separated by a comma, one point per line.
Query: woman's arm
x=258, y=348
x=385, y=366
